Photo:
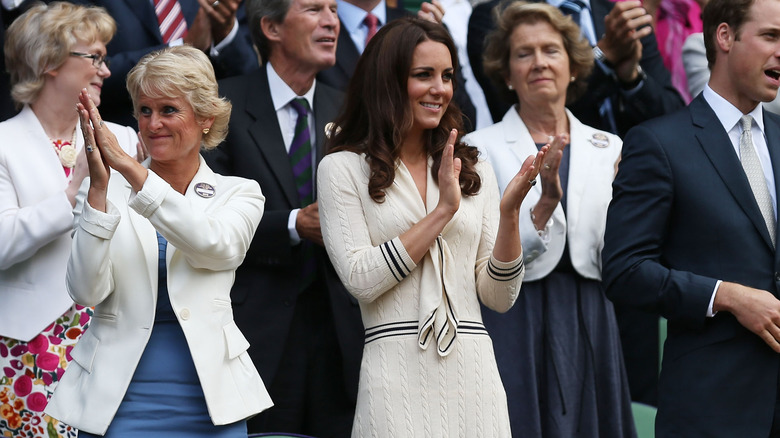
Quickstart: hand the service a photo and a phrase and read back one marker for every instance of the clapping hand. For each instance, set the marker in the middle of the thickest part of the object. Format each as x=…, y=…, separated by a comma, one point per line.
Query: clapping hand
x=522, y=182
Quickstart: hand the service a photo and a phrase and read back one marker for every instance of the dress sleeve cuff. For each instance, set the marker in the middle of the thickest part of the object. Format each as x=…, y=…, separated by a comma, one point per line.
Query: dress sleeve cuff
x=398, y=260
x=506, y=271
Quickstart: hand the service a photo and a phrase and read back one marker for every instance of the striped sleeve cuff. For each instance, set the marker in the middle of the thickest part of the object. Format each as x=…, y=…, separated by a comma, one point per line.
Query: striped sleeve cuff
x=505, y=271
x=398, y=261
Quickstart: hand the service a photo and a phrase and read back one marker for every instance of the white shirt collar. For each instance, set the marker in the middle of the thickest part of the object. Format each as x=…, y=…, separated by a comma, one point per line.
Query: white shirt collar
x=727, y=113
x=281, y=93
x=352, y=16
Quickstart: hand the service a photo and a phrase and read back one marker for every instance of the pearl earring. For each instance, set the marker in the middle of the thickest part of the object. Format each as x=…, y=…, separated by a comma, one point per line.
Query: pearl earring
x=510, y=86
x=205, y=131
x=572, y=79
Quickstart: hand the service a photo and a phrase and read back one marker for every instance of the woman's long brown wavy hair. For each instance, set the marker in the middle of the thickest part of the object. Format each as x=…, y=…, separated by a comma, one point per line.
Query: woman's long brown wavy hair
x=377, y=113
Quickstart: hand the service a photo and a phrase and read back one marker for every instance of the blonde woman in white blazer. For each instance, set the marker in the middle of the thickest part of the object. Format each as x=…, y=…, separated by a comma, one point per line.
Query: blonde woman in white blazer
x=42, y=165
x=155, y=250
x=558, y=349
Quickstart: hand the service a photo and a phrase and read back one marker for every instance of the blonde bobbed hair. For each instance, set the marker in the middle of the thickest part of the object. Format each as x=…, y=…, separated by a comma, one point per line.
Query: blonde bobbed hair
x=41, y=39
x=182, y=71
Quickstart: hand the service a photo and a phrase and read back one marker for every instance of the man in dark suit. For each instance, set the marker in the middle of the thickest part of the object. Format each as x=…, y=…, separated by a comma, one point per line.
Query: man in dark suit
x=306, y=337
x=637, y=87
x=691, y=234
x=213, y=29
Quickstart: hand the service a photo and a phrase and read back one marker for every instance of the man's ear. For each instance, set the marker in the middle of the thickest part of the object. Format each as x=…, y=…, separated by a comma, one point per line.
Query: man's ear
x=271, y=29
x=724, y=37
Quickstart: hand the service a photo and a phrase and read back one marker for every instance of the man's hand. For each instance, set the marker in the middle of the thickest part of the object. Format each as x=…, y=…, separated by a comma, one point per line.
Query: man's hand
x=624, y=26
x=307, y=224
x=199, y=32
x=757, y=310
x=221, y=15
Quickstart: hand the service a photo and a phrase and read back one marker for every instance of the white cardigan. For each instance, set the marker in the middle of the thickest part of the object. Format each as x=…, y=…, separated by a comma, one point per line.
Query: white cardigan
x=113, y=267
x=593, y=156
x=35, y=223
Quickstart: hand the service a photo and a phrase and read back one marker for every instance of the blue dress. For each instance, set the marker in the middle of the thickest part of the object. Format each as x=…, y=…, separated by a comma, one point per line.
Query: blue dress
x=165, y=397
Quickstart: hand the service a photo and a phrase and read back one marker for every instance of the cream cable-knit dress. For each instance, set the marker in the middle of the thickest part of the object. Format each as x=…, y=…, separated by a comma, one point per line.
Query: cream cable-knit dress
x=418, y=379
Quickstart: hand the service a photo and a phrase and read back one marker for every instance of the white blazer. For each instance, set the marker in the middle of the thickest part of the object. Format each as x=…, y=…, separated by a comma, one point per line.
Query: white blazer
x=113, y=267
x=593, y=156
x=35, y=223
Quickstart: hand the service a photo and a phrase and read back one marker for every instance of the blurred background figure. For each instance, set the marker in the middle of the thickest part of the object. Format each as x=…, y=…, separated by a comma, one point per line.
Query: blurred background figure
x=412, y=222
x=304, y=329
x=674, y=21
x=148, y=25
x=51, y=52
x=155, y=249
x=558, y=349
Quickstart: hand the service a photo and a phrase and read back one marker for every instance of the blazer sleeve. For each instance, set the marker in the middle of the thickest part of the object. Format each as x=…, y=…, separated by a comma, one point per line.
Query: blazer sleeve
x=215, y=239
x=637, y=225
x=367, y=271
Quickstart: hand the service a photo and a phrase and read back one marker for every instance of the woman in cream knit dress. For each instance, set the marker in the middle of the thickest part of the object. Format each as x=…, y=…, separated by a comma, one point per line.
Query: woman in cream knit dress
x=411, y=221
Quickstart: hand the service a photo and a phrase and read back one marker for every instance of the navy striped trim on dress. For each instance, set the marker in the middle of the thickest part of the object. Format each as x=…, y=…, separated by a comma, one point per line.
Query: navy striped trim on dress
x=391, y=329
x=472, y=328
x=409, y=328
x=504, y=274
x=394, y=260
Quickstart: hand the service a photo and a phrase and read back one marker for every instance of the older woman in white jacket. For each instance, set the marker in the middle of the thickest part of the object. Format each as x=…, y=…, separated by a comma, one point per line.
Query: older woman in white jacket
x=558, y=349
x=155, y=250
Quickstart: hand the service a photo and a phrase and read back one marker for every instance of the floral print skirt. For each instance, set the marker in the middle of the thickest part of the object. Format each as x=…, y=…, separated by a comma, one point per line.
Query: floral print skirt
x=29, y=372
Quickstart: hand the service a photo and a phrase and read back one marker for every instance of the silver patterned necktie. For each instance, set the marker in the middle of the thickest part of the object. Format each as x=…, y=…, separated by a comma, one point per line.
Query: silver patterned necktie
x=755, y=175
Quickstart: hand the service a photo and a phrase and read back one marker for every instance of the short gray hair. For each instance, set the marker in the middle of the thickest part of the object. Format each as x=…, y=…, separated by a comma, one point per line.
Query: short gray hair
x=41, y=39
x=182, y=71
x=275, y=10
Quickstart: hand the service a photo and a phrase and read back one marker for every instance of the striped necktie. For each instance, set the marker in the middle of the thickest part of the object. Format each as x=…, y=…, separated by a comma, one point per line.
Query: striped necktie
x=572, y=8
x=300, y=159
x=170, y=19
x=300, y=153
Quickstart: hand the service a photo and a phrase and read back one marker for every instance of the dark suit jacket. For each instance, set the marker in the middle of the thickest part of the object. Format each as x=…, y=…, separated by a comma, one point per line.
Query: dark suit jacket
x=682, y=217
x=656, y=97
x=138, y=33
x=347, y=56
x=267, y=283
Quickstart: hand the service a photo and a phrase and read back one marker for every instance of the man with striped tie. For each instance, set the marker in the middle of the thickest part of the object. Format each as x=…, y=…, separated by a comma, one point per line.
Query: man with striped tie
x=305, y=330
x=147, y=25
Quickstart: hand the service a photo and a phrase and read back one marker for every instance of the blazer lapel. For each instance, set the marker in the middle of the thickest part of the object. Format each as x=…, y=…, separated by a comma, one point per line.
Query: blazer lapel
x=581, y=154
x=267, y=135
x=717, y=146
x=147, y=237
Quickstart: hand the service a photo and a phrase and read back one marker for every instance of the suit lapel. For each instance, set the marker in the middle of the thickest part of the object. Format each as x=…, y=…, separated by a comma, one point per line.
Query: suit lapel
x=267, y=135
x=144, y=10
x=773, y=144
x=347, y=55
x=717, y=146
x=598, y=10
